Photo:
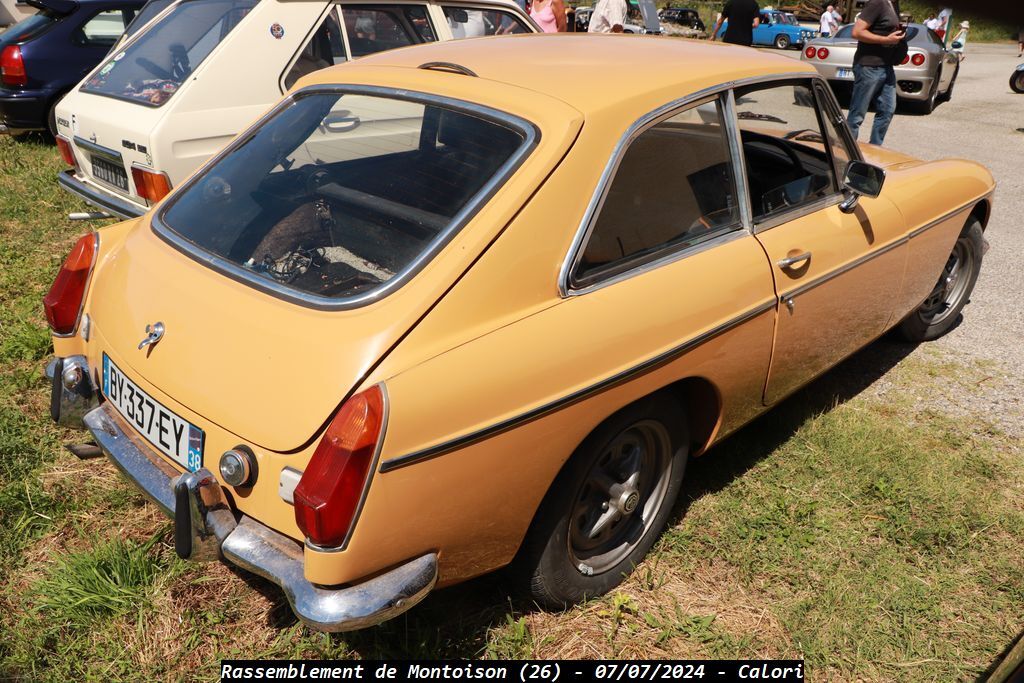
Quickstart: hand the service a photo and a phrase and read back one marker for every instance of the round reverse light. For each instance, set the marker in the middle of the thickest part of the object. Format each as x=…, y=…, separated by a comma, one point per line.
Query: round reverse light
x=822, y=53
x=238, y=467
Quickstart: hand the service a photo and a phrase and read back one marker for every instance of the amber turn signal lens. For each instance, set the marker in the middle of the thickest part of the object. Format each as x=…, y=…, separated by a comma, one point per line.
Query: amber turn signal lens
x=329, y=491
x=149, y=184
x=66, y=153
x=63, y=303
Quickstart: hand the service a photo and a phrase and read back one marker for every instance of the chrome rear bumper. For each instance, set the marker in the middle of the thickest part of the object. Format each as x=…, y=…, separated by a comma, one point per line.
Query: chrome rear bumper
x=206, y=527
x=122, y=208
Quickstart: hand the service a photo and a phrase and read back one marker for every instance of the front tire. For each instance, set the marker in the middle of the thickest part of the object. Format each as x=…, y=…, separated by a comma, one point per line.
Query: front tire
x=1017, y=82
x=782, y=41
x=608, y=504
x=940, y=310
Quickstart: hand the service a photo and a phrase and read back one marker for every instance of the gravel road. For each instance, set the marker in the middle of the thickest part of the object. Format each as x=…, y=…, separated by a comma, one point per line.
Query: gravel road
x=983, y=122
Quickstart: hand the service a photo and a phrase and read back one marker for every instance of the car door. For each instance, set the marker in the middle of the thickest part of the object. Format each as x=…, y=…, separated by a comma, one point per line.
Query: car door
x=836, y=274
x=764, y=32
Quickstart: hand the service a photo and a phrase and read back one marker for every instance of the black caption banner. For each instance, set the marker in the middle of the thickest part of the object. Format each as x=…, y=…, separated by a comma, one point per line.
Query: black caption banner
x=523, y=671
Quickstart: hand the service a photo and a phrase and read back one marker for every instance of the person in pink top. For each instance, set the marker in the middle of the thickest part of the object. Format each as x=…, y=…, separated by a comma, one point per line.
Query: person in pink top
x=549, y=15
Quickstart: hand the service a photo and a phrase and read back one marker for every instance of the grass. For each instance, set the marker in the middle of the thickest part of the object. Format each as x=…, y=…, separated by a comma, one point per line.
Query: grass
x=871, y=533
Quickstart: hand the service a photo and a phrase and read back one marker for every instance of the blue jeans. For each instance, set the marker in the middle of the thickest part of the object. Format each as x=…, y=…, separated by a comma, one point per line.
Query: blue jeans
x=873, y=85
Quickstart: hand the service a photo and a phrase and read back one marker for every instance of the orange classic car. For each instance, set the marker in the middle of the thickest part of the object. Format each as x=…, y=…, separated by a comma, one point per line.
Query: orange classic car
x=459, y=304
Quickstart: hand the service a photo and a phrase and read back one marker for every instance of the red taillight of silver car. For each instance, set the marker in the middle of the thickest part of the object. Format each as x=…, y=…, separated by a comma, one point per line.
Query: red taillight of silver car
x=332, y=485
x=63, y=303
x=810, y=52
x=917, y=59
x=823, y=53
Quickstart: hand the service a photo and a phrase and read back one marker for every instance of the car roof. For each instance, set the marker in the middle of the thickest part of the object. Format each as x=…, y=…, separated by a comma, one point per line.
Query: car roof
x=589, y=72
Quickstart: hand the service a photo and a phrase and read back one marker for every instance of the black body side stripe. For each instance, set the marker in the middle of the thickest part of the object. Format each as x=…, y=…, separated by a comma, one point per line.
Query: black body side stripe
x=576, y=397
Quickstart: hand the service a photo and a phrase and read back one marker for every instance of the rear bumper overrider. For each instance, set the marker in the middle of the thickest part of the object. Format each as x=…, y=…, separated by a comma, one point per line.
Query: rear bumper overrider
x=206, y=527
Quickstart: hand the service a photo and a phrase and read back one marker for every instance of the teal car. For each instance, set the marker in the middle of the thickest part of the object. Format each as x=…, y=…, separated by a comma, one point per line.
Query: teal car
x=778, y=29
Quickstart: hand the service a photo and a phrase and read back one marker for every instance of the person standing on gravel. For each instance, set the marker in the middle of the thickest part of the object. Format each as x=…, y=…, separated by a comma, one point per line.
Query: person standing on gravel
x=608, y=17
x=828, y=23
x=878, y=33
x=744, y=16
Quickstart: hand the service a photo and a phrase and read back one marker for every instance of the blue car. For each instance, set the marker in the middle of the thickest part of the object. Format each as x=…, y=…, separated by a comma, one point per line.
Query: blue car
x=778, y=29
x=47, y=54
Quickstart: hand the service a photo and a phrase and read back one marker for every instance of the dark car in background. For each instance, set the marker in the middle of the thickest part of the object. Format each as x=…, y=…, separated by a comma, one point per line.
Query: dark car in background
x=683, y=17
x=45, y=55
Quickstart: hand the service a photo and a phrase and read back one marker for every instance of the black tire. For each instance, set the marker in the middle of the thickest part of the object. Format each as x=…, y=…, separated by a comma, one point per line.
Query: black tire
x=940, y=311
x=928, y=106
x=1017, y=82
x=562, y=558
x=782, y=41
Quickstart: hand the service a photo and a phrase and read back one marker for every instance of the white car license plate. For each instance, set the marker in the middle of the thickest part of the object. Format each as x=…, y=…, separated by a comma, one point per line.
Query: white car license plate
x=177, y=438
x=846, y=74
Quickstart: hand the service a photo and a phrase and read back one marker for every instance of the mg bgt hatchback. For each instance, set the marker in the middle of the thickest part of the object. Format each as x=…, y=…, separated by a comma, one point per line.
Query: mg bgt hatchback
x=180, y=89
x=454, y=305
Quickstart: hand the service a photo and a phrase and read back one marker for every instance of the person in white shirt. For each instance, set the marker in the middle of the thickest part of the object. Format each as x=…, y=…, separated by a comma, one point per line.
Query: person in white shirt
x=932, y=22
x=828, y=22
x=608, y=17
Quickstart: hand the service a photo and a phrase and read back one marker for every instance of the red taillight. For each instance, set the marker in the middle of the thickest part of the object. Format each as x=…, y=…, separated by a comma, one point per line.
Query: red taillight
x=330, y=488
x=810, y=52
x=917, y=59
x=822, y=53
x=63, y=303
x=66, y=153
x=12, y=66
x=906, y=60
x=150, y=185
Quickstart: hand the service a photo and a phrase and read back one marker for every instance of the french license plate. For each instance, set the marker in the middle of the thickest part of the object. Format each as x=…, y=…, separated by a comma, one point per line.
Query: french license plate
x=846, y=74
x=170, y=434
x=109, y=172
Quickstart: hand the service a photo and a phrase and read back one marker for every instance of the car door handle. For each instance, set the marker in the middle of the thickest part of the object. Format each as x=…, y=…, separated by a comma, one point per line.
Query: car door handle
x=791, y=261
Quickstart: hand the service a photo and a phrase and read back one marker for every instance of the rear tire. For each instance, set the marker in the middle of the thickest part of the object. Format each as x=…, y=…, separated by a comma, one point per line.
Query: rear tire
x=608, y=505
x=928, y=106
x=940, y=311
x=782, y=41
x=1017, y=82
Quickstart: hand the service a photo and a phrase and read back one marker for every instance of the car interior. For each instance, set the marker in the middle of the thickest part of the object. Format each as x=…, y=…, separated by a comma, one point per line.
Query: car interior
x=336, y=228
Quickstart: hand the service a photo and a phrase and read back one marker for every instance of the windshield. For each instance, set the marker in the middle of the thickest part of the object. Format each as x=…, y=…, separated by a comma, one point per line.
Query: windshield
x=27, y=28
x=338, y=194
x=152, y=68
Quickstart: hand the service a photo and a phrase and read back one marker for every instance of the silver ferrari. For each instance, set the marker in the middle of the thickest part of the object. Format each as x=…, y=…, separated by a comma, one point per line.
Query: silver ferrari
x=926, y=76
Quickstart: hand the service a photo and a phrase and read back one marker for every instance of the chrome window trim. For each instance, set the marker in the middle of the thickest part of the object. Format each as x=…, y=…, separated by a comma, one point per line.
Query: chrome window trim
x=307, y=39
x=796, y=212
x=531, y=137
x=649, y=119
x=611, y=382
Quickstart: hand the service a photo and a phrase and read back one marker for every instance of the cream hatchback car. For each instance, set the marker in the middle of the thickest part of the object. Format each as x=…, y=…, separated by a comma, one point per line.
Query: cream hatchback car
x=177, y=92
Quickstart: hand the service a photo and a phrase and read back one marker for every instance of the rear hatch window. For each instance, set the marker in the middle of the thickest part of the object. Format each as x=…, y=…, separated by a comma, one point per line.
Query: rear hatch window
x=152, y=68
x=28, y=28
x=339, y=196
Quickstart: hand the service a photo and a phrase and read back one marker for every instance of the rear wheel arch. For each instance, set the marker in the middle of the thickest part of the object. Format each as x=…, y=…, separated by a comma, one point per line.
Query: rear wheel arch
x=702, y=404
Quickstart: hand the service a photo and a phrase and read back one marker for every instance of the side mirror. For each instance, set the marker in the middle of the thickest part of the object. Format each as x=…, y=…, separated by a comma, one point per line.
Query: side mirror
x=861, y=179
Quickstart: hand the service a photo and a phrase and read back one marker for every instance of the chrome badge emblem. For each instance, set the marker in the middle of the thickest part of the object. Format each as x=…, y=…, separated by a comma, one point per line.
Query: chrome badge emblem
x=154, y=333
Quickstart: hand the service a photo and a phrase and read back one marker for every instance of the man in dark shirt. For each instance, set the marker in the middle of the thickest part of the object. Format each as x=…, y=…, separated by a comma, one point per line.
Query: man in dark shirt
x=744, y=16
x=878, y=35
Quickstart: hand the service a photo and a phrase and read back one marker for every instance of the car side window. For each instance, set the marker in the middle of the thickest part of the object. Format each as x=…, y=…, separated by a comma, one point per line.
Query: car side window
x=673, y=189
x=839, y=143
x=104, y=28
x=472, y=22
x=386, y=27
x=788, y=161
x=325, y=48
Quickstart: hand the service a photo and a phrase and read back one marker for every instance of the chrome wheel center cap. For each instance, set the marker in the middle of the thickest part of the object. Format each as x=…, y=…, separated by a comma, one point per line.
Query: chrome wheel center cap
x=627, y=501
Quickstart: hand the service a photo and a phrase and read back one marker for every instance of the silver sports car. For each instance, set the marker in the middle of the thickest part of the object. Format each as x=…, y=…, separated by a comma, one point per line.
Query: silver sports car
x=925, y=77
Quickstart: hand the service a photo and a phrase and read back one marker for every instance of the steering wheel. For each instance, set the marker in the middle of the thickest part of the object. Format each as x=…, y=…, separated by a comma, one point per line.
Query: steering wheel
x=787, y=150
